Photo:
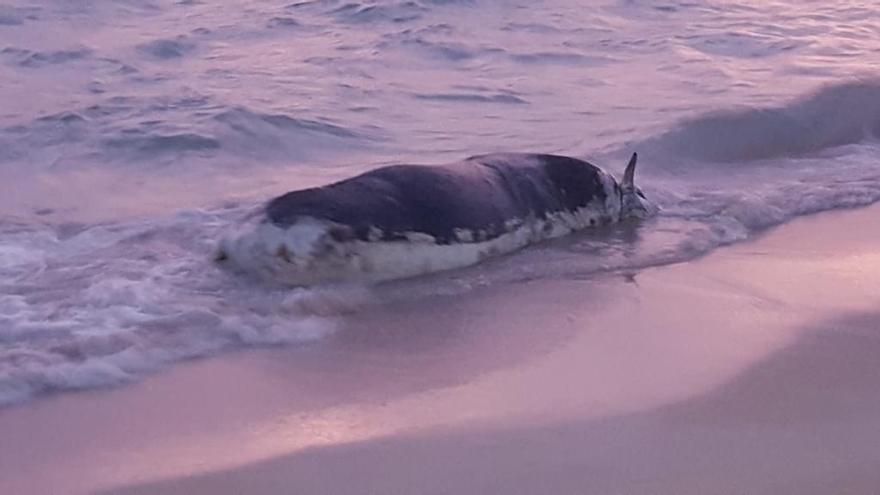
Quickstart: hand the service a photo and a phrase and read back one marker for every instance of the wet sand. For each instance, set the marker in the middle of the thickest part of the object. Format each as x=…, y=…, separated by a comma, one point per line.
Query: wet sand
x=752, y=370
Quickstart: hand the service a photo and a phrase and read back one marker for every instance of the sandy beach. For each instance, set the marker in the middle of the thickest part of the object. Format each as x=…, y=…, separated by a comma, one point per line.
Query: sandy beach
x=752, y=370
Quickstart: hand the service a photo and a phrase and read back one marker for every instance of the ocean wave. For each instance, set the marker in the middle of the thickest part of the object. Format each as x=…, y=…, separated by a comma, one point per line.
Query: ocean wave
x=312, y=4
x=435, y=50
x=420, y=42
x=22, y=141
x=532, y=27
x=170, y=129
x=451, y=2
x=165, y=49
x=836, y=115
x=283, y=22
x=156, y=144
x=266, y=134
x=63, y=118
x=249, y=121
x=11, y=15
x=112, y=302
x=504, y=98
x=742, y=45
x=32, y=59
x=378, y=11
x=370, y=12
x=560, y=58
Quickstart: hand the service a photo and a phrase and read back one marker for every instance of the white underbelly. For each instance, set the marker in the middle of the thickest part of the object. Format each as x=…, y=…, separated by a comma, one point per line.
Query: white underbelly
x=306, y=254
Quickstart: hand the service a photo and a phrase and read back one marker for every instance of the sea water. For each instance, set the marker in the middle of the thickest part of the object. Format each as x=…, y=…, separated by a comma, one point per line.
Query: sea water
x=133, y=133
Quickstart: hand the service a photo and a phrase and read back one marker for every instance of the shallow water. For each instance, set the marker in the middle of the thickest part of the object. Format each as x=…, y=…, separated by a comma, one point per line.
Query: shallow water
x=133, y=133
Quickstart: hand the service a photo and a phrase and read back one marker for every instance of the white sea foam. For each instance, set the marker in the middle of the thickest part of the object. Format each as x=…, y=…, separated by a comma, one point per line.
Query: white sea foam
x=106, y=315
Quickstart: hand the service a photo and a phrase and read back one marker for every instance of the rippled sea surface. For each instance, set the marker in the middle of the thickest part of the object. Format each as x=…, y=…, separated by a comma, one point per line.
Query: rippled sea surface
x=132, y=133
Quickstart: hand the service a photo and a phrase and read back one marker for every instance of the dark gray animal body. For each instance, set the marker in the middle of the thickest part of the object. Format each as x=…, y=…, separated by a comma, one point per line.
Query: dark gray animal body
x=481, y=194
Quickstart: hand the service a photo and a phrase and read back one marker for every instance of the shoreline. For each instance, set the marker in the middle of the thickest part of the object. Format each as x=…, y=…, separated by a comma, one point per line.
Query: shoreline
x=466, y=397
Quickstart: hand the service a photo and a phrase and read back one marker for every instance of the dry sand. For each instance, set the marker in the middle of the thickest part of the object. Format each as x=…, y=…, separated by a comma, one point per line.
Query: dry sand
x=753, y=370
